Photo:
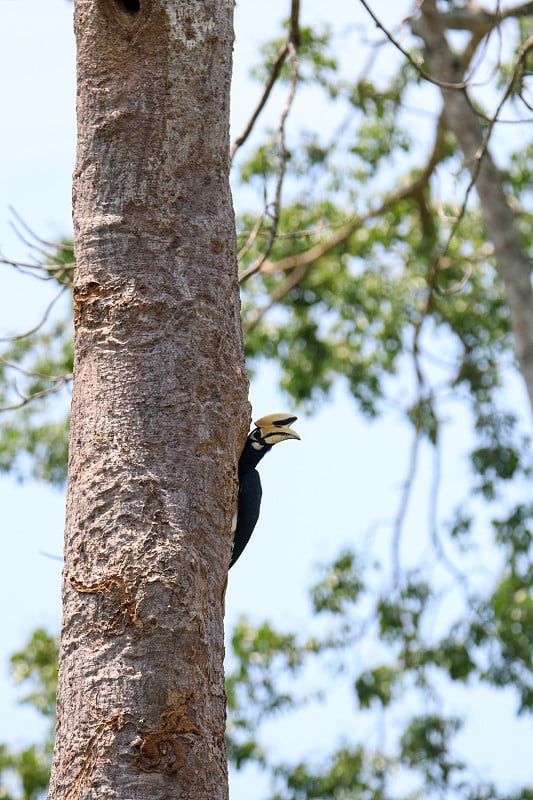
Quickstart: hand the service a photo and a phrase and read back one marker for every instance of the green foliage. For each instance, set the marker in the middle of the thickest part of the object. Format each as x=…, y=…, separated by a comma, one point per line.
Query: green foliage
x=314, y=55
x=45, y=445
x=35, y=374
x=376, y=684
x=487, y=646
x=499, y=458
x=30, y=768
x=425, y=745
x=349, y=773
x=259, y=656
x=399, y=616
x=340, y=586
x=36, y=667
x=24, y=774
x=344, y=317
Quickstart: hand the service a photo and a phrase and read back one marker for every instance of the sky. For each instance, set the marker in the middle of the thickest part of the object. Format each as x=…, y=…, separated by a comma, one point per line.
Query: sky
x=320, y=494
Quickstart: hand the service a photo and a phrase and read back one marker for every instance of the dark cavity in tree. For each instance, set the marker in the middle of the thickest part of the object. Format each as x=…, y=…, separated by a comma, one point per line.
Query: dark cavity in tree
x=130, y=5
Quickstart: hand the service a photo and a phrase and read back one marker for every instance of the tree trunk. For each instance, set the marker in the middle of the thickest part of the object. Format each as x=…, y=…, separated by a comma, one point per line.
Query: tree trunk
x=512, y=262
x=159, y=407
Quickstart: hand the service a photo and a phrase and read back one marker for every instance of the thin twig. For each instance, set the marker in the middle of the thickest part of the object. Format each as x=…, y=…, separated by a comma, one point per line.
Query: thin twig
x=24, y=265
x=294, y=39
x=68, y=248
x=282, y=166
x=50, y=555
x=407, y=54
x=25, y=399
x=523, y=51
x=476, y=161
x=30, y=373
x=403, y=506
x=277, y=295
x=252, y=236
x=274, y=73
x=433, y=517
x=307, y=233
x=35, y=328
x=457, y=287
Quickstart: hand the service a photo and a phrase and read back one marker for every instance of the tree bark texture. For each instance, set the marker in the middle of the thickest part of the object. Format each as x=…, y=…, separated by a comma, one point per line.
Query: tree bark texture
x=159, y=407
x=513, y=264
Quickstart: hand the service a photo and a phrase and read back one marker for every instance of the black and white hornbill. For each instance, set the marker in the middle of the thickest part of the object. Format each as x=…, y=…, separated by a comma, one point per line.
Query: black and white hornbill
x=268, y=431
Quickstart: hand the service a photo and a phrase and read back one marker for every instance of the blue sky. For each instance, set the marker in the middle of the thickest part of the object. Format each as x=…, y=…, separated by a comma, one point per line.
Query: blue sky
x=319, y=494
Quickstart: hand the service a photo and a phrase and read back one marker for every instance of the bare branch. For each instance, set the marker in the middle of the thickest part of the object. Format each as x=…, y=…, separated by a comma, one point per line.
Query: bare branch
x=30, y=373
x=294, y=39
x=282, y=166
x=408, y=56
x=39, y=325
x=512, y=262
x=405, y=496
x=436, y=542
x=478, y=20
x=277, y=295
x=64, y=380
x=62, y=273
x=274, y=73
x=252, y=236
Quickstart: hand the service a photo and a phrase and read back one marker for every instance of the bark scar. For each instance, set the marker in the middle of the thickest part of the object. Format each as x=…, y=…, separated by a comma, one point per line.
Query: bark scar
x=162, y=745
x=116, y=584
x=85, y=293
x=82, y=781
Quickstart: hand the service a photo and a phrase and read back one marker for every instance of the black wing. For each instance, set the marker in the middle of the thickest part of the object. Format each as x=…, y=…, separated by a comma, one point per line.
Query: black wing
x=248, y=505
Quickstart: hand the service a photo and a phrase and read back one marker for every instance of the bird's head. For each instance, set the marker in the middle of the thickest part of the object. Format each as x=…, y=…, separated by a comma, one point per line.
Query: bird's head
x=272, y=429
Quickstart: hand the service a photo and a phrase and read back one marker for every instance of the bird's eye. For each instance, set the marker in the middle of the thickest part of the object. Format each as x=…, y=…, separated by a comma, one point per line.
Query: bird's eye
x=257, y=440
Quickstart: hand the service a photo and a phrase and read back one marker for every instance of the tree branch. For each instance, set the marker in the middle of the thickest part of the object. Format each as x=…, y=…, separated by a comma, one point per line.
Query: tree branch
x=321, y=249
x=512, y=263
x=282, y=165
x=58, y=384
x=35, y=328
x=294, y=39
x=476, y=19
x=277, y=295
x=405, y=496
x=414, y=63
x=274, y=74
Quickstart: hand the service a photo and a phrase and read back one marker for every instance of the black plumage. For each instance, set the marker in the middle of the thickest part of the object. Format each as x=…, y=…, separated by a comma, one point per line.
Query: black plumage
x=268, y=431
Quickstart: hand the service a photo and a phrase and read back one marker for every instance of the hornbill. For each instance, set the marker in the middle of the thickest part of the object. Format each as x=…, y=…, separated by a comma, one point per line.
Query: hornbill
x=268, y=431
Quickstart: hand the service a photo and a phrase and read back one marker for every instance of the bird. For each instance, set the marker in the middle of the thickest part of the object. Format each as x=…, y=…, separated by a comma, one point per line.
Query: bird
x=268, y=431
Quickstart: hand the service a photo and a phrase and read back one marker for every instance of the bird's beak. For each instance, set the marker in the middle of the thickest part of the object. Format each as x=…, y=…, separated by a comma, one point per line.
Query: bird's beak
x=277, y=420
x=276, y=428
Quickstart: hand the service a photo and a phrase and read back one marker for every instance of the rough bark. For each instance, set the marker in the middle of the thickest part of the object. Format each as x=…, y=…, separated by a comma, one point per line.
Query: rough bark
x=159, y=407
x=513, y=265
